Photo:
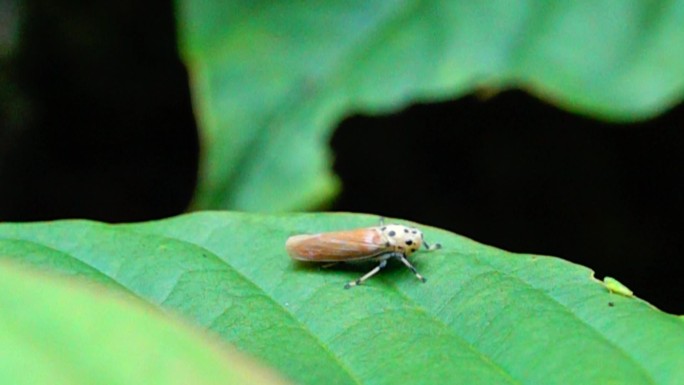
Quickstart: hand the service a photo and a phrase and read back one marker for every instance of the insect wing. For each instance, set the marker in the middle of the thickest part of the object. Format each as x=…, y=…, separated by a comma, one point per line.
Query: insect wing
x=337, y=246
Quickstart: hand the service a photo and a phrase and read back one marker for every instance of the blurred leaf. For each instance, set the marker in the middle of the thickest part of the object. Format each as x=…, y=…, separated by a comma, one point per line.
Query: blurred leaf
x=485, y=316
x=271, y=80
x=55, y=331
x=9, y=28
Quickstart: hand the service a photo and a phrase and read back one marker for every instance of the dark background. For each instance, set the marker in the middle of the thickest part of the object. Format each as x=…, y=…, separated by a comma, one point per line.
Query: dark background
x=96, y=122
x=516, y=173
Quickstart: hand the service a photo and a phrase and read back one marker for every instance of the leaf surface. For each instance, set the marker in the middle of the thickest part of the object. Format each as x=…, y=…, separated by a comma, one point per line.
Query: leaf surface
x=59, y=331
x=484, y=316
x=271, y=80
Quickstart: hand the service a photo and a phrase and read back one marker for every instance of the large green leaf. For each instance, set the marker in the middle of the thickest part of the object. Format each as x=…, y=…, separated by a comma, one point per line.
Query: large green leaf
x=485, y=316
x=54, y=331
x=270, y=80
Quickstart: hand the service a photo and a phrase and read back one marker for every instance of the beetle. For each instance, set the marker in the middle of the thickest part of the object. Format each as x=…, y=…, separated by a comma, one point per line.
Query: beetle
x=369, y=244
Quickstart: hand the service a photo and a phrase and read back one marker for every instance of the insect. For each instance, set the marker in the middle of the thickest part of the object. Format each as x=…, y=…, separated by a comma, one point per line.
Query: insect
x=370, y=244
x=614, y=286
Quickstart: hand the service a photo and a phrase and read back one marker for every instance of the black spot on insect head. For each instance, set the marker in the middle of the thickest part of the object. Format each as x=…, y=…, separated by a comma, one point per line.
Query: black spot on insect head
x=413, y=249
x=406, y=231
x=409, y=242
x=414, y=232
x=392, y=233
x=383, y=228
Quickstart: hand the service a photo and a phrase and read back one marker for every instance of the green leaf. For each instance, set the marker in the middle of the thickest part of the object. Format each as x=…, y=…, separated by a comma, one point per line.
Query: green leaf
x=485, y=316
x=270, y=80
x=58, y=331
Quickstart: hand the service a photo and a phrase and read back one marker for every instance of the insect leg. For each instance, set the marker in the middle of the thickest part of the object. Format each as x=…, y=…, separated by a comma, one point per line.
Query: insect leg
x=408, y=264
x=371, y=273
x=329, y=265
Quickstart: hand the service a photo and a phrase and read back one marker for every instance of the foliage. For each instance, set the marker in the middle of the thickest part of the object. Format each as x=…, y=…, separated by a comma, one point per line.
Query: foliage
x=270, y=80
x=484, y=316
x=56, y=331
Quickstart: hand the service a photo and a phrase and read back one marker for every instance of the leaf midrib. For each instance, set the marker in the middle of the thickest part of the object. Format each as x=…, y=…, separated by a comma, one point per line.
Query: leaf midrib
x=486, y=358
x=483, y=357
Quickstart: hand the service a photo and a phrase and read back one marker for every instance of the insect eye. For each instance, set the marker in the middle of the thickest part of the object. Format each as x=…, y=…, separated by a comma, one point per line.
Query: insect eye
x=392, y=233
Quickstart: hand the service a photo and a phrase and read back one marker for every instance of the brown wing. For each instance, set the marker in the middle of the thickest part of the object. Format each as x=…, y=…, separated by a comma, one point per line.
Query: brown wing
x=337, y=246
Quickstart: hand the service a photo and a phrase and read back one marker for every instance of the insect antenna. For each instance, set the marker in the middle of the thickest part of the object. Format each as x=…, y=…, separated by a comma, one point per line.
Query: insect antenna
x=435, y=246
